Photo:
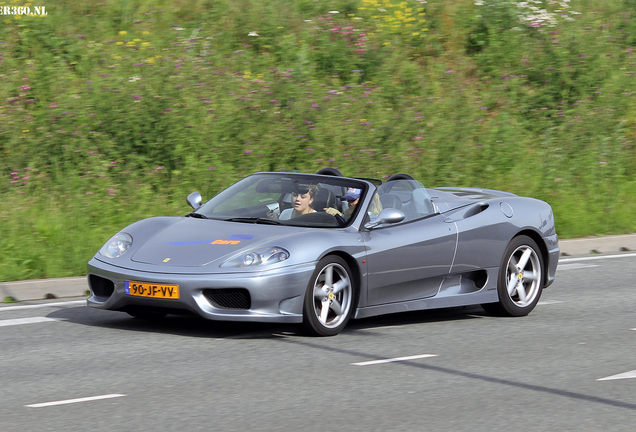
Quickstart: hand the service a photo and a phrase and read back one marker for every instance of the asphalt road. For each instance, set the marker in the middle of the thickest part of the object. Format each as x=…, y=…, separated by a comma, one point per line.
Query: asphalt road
x=66, y=367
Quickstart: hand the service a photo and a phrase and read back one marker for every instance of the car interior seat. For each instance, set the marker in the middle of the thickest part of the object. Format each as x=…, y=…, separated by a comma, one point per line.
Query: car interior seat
x=391, y=201
x=324, y=198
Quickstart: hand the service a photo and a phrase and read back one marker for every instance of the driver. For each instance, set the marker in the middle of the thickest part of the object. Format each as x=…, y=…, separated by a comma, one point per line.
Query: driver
x=302, y=201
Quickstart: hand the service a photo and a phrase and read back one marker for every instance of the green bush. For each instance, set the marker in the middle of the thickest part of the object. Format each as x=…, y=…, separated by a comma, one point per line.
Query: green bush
x=113, y=110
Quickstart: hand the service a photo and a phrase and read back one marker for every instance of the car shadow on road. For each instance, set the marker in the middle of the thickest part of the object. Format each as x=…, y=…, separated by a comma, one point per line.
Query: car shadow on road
x=415, y=318
x=193, y=326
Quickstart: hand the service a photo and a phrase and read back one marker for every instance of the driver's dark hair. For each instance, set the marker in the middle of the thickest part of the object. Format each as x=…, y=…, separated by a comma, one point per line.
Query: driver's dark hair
x=313, y=190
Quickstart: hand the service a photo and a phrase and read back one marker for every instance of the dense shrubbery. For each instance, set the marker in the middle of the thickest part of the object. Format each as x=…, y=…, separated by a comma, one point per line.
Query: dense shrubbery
x=115, y=110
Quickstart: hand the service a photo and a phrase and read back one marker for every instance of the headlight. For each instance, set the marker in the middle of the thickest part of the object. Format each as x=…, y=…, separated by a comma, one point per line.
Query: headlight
x=116, y=246
x=258, y=257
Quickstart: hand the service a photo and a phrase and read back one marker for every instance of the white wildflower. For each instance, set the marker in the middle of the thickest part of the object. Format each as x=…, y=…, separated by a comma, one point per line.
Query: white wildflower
x=252, y=33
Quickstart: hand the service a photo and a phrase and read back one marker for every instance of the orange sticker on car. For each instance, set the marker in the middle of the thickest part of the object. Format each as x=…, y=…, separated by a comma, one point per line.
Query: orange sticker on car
x=226, y=242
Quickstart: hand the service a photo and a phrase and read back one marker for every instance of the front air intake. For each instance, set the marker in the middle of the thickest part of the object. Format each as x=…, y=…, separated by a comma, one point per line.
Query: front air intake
x=101, y=288
x=228, y=298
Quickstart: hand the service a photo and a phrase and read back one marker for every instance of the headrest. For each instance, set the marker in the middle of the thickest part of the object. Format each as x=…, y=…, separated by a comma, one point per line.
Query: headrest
x=323, y=199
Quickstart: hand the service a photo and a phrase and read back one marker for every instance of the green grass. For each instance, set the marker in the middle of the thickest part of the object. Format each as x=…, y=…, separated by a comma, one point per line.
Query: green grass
x=114, y=110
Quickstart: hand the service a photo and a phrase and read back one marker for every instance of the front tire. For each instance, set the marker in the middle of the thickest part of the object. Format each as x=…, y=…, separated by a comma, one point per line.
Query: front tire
x=329, y=298
x=520, y=280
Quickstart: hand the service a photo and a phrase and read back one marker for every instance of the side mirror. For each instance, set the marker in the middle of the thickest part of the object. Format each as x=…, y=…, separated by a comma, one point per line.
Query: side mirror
x=194, y=199
x=386, y=216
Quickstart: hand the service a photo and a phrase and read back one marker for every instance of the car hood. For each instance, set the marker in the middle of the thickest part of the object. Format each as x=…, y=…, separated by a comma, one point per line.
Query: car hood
x=192, y=242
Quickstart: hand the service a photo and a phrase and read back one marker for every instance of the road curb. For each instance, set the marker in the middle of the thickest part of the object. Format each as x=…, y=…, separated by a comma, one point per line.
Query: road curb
x=598, y=245
x=41, y=289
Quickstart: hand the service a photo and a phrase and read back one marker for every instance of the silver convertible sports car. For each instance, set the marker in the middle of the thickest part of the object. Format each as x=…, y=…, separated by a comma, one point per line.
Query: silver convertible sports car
x=320, y=249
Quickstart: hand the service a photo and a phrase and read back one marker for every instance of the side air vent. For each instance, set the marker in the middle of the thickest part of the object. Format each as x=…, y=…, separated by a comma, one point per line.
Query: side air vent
x=476, y=209
x=228, y=298
x=478, y=278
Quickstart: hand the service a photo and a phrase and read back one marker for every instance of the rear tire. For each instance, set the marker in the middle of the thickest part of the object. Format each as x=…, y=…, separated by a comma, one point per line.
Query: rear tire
x=520, y=280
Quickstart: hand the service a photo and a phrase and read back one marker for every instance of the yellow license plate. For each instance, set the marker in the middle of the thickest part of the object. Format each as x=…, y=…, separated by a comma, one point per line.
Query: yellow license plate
x=143, y=289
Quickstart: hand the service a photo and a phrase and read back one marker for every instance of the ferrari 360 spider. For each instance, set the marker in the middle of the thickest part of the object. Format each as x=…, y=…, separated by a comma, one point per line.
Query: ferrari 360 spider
x=320, y=249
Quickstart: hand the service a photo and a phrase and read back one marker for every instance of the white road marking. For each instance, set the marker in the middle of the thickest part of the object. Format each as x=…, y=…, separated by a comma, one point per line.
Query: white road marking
x=626, y=375
x=596, y=257
x=34, y=320
x=71, y=401
x=548, y=302
x=575, y=266
x=41, y=305
x=396, y=359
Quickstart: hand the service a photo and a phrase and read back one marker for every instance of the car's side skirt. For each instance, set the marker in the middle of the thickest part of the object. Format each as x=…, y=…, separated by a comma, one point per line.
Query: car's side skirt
x=483, y=296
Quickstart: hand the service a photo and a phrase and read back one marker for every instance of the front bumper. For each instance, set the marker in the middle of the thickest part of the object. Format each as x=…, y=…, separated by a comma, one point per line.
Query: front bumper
x=276, y=295
x=552, y=243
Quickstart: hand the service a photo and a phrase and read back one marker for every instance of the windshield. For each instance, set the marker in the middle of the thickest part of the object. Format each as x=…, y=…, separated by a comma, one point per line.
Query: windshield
x=288, y=199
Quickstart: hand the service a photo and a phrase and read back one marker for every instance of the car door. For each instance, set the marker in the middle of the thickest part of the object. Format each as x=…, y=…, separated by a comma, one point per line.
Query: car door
x=408, y=261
